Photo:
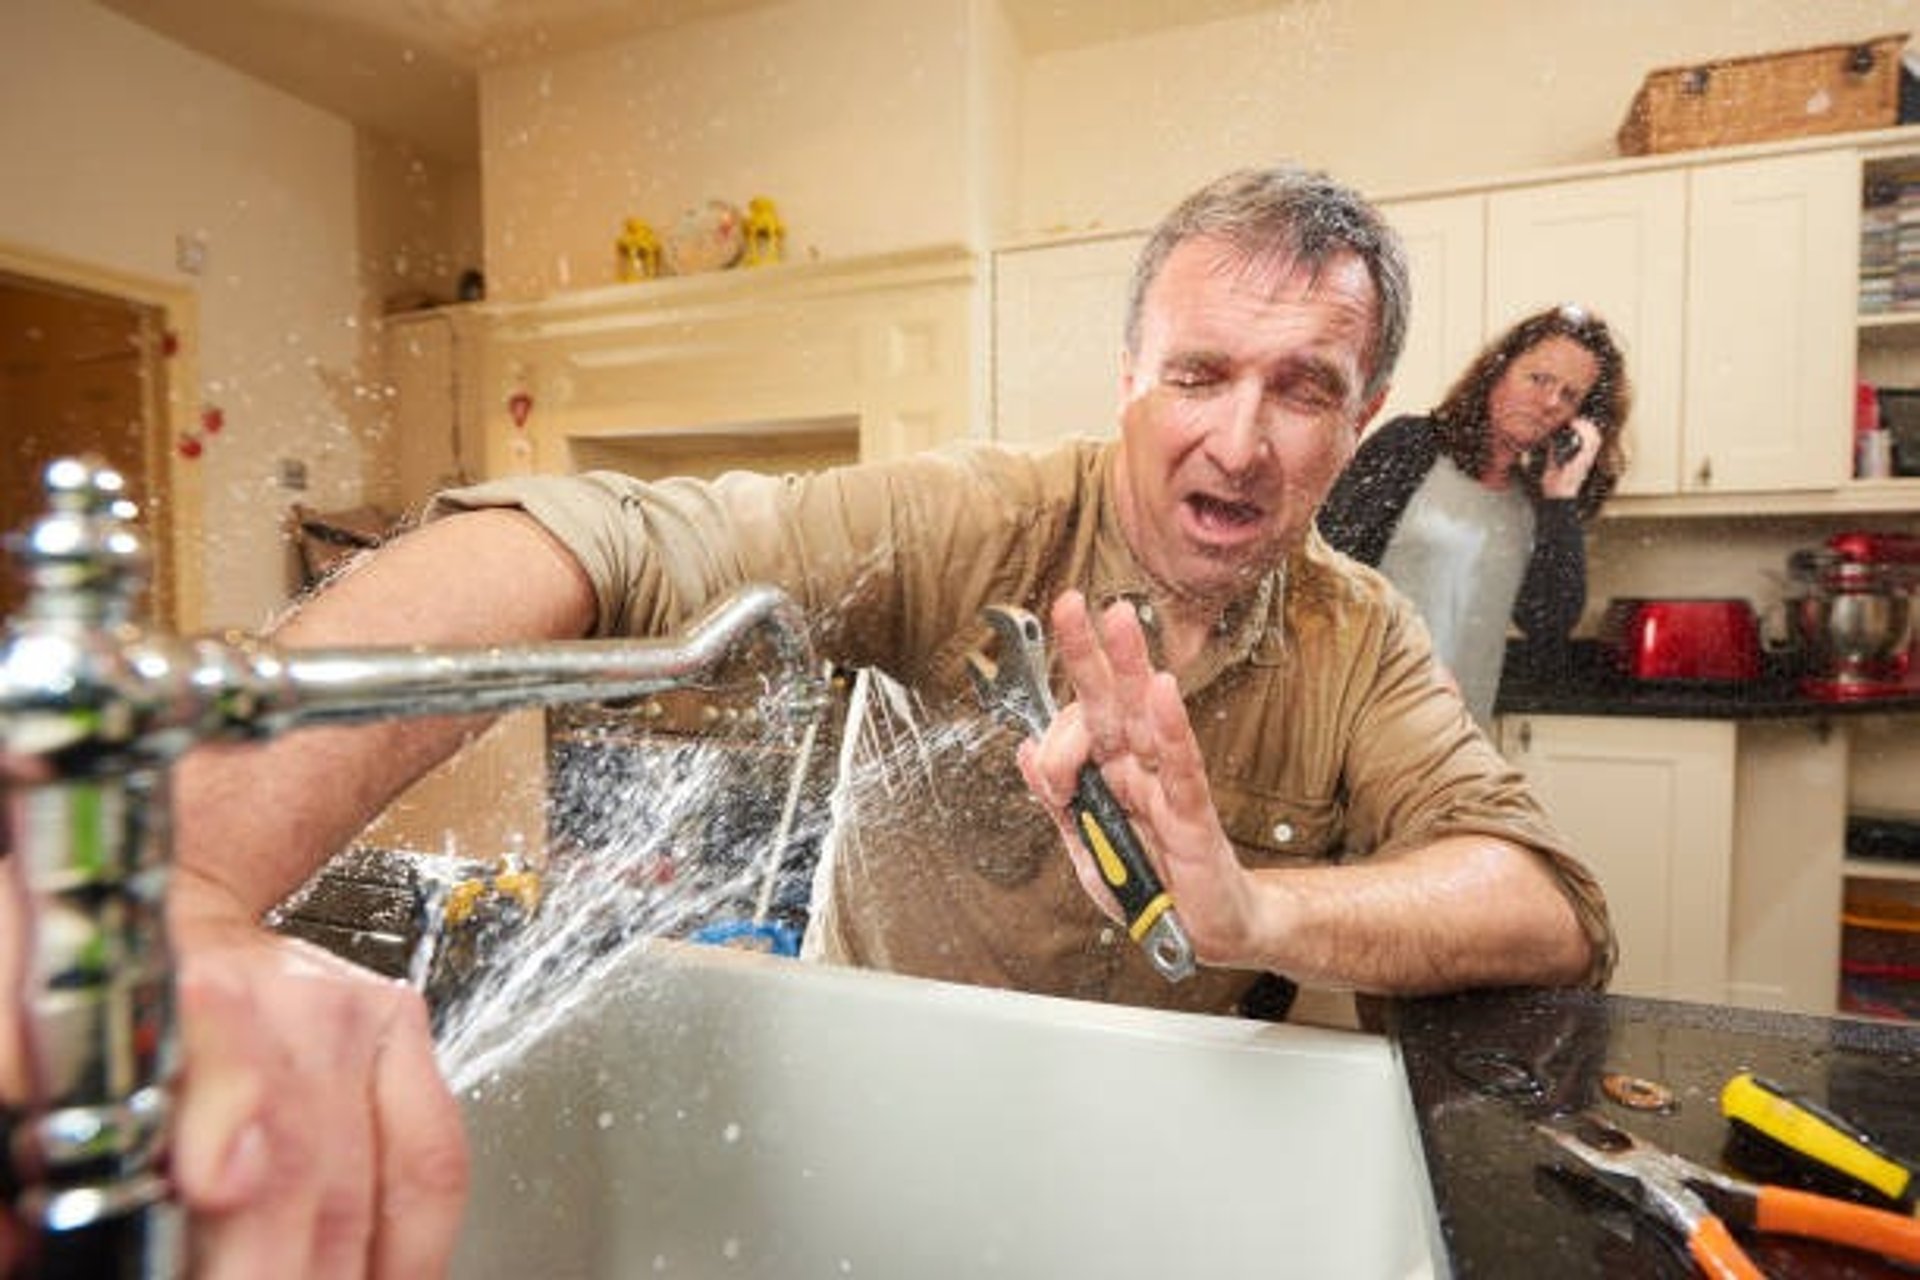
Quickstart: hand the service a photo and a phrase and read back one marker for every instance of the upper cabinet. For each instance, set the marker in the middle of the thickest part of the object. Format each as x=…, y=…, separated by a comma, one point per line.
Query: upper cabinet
x=1731, y=288
x=1446, y=239
x=1732, y=279
x=1059, y=311
x=1617, y=246
x=436, y=427
x=1773, y=268
x=1889, y=322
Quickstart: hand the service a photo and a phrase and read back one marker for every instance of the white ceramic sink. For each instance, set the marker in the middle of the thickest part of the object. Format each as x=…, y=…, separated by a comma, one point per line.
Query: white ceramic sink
x=720, y=1113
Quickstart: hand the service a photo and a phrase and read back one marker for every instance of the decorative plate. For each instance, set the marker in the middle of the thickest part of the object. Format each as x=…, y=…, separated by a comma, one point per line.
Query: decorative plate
x=708, y=238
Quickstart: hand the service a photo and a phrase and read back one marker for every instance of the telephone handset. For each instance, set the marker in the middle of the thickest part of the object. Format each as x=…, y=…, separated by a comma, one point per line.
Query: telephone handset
x=1563, y=445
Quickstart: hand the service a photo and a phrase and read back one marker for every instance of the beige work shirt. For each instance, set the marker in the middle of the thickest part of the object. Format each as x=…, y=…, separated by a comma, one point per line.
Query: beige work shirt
x=1326, y=733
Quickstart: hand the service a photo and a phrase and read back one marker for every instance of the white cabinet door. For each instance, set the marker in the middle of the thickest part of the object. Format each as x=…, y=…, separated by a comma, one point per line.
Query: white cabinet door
x=1790, y=837
x=1446, y=258
x=1773, y=260
x=1649, y=806
x=436, y=430
x=1617, y=246
x=1058, y=312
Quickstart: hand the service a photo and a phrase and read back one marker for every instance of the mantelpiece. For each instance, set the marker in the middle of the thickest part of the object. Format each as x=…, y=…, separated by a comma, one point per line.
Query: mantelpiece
x=805, y=361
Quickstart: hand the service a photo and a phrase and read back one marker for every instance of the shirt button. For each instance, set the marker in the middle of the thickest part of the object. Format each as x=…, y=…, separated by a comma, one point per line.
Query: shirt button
x=1283, y=833
x=1106, y=935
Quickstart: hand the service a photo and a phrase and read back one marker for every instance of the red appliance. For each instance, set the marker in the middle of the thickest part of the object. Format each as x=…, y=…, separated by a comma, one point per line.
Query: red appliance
x=1853, y=610
x=1705, y=639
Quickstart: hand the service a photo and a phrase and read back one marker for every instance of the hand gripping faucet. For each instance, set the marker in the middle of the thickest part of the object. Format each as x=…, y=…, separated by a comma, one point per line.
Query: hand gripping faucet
x=93, y=711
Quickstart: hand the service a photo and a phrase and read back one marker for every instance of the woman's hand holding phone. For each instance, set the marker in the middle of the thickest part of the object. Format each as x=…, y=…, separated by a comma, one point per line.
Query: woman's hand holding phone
x=1570, y=454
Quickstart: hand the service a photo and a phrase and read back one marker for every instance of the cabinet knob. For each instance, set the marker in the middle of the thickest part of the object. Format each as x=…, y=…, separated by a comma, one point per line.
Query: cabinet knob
x=1704, y=476
x=1526, y=736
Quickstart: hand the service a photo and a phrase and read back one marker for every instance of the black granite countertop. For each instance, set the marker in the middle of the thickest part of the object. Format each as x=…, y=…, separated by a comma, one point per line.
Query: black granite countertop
x=1579, y=680
x=1503, y=1213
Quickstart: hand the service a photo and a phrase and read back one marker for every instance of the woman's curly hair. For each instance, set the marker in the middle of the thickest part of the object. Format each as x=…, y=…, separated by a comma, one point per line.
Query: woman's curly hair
x=1466, y=430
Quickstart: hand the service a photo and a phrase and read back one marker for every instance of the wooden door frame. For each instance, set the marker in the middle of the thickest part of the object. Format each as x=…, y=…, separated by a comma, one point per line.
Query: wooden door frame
x=175, y=522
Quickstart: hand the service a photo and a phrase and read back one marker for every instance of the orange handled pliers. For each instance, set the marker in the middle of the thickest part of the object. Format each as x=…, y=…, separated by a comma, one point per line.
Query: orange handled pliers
x=1698, y=1203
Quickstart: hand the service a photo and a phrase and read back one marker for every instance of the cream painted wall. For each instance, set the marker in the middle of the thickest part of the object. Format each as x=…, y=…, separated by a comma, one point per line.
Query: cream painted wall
x=419, y=223
x=853, y=115
x=1391, y=96
x=419, y=229
x=114, y=142
x=1745, y=557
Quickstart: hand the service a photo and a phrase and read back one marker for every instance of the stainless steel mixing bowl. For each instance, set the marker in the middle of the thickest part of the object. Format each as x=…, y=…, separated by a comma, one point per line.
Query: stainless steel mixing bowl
x=1856, y=631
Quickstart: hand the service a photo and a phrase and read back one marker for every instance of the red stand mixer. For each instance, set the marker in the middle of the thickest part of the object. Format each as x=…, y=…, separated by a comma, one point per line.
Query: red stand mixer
x=1851, y=602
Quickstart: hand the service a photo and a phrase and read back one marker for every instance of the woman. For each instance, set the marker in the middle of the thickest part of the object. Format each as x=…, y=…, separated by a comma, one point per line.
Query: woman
x=1475, y=511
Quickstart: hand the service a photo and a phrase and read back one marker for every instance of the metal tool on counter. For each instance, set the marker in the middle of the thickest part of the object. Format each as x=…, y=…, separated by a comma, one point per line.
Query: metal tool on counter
x=1802, y=1132
x=93, y=711
x=1699, y=1204
x=1013, y=685
x=760, y=933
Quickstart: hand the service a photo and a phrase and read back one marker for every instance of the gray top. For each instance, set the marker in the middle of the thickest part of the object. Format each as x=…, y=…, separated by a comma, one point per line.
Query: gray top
x=1459, y=553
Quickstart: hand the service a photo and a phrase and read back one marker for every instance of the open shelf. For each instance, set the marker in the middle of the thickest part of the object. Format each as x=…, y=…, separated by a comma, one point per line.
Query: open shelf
x=1880, y=869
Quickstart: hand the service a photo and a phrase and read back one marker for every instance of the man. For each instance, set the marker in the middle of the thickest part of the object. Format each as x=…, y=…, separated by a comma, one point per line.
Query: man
x=1317, y=802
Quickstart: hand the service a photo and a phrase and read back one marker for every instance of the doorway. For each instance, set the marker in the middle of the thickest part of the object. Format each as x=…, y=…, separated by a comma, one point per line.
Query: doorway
x=89, y=365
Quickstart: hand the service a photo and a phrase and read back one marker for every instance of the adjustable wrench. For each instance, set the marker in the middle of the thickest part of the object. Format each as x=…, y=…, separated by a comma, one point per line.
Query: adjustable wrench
x=1014, y=687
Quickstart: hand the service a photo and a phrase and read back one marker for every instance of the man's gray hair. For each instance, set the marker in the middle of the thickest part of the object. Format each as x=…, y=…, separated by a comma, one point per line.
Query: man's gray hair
x=1304, y=216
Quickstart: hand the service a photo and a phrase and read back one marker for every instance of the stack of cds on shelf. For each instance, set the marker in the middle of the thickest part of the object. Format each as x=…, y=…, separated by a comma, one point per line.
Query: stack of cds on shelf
x=1890, y=243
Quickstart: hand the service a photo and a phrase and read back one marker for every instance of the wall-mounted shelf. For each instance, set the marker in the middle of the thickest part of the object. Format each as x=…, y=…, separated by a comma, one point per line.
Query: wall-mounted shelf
x=1892, y=324
x=1881, y=869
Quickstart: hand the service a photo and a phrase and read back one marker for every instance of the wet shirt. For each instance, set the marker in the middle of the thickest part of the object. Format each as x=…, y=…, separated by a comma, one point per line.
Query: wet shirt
x=1325, y=731
x=1459, y=552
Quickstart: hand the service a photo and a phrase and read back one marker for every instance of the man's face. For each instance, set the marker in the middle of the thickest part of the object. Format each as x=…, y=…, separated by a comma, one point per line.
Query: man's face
x=1239, y=409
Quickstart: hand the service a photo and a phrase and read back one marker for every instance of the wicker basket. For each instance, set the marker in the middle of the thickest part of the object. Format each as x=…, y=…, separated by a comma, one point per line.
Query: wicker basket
x=1836, y=88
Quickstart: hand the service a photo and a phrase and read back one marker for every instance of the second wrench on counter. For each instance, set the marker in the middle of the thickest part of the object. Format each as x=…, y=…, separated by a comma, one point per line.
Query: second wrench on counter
x=1014, y=687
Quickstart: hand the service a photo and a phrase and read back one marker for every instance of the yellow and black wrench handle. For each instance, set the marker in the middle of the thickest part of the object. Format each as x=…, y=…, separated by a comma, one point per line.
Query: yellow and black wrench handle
x=1014, y=687
x=1108, y=835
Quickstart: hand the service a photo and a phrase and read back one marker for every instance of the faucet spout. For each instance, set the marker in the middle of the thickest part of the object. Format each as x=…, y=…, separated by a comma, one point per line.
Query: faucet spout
x=93, y=711
x=296, y=689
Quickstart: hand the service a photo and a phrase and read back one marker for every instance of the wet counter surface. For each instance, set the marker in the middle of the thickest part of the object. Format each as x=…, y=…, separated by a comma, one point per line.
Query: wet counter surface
x=1483, y=1067
x=1580, y=681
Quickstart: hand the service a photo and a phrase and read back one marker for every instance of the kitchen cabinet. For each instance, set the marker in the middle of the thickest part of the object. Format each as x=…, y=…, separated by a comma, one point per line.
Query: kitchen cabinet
x=1773, y=260
x=1616, y=245
x=1730, y=279
x=488, y=797
x=1058, y=316
x=1728, y=285
x=1446, y=241
x=1889, y=334
x=1719, y=844
x=434, y=419
x=1648, y=805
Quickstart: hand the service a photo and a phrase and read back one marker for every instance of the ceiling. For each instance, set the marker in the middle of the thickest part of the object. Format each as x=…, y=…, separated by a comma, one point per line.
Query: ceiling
x=409, y=68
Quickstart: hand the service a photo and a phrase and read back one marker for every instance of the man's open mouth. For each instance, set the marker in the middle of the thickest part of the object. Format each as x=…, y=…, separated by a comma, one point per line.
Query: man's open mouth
x=1223, y=513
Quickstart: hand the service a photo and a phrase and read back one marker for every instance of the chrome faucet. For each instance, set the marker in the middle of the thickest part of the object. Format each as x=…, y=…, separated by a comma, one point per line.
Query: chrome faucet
x=93, y=711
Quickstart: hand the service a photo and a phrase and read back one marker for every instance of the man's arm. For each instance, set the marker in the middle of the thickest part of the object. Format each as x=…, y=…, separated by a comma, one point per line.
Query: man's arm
x=256, y=821
x=314, y=1135
x=1460, y=912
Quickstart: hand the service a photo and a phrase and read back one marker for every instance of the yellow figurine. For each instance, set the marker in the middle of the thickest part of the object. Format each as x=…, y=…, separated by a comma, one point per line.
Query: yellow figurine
x=764, y=233
x=638, y=249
